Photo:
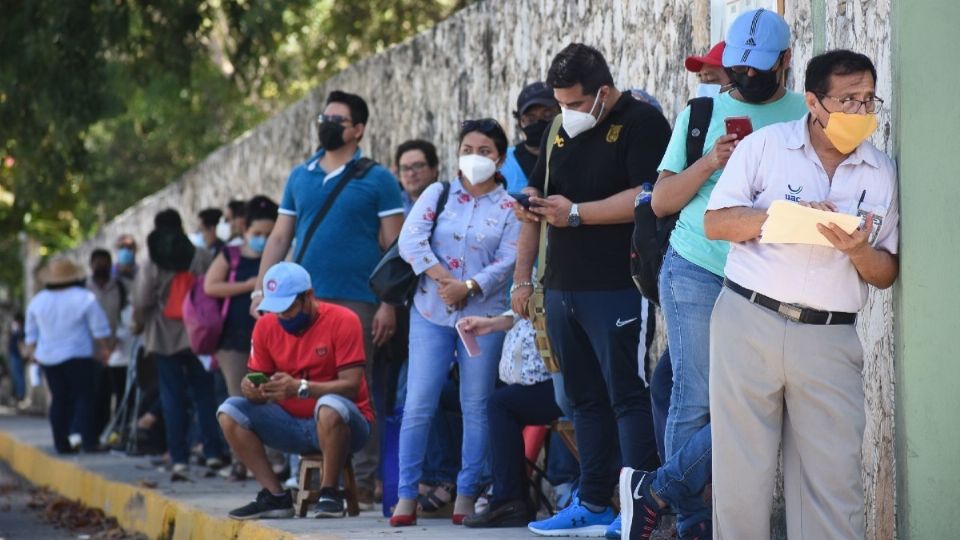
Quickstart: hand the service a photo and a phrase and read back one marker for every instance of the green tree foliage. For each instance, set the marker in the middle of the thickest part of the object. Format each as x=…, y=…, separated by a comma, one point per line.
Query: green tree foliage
x=103, y=102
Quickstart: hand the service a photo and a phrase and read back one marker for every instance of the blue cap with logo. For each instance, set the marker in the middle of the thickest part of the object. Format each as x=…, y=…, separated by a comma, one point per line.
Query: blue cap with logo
x=756, y=38
x=281, y=285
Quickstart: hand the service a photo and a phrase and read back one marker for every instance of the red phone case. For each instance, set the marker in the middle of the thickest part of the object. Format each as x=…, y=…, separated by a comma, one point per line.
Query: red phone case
x=741, y=125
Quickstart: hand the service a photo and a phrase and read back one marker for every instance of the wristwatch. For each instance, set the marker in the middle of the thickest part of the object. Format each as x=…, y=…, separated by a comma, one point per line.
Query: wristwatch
x=256, y=294
x=304, y=391
x=471, y=287
x=573, y=220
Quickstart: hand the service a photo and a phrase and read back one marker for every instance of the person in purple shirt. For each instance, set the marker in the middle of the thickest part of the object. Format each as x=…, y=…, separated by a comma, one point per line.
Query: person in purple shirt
x=464, y=266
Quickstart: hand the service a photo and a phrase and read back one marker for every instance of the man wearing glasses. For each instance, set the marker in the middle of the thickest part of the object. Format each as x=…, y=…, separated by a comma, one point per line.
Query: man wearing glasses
x=341, y=252
x=785, y=359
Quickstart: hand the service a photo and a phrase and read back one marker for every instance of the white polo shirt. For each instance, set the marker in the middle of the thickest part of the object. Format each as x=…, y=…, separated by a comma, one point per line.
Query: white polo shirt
x=778, y=162
x=63, y=324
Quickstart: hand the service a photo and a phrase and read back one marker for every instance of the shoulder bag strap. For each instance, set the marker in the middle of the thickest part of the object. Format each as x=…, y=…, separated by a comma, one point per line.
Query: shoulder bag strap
x=356, y=169
x=441, y=203
x=551, y=142
x=701, y=111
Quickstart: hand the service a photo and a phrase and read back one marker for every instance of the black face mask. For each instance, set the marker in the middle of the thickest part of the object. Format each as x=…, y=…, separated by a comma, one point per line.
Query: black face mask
x=534, y=132
x=331, y=135
x=101, y=274
x=757, y=89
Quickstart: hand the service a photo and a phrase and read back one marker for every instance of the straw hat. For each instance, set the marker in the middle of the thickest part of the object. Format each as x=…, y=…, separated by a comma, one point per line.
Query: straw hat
x=62, y=271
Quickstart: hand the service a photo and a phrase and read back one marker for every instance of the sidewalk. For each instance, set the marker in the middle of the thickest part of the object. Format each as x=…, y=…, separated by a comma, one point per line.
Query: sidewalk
x=195, y=509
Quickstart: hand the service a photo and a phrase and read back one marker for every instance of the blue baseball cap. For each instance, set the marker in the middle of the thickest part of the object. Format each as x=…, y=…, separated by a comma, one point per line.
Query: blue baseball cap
x=281, y=285
x=756, y=38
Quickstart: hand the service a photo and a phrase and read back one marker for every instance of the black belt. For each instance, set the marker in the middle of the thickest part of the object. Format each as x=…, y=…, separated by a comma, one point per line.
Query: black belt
x=790, y=311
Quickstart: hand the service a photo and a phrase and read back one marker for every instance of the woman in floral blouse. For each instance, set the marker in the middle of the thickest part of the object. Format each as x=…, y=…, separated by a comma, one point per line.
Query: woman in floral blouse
x=464, y=268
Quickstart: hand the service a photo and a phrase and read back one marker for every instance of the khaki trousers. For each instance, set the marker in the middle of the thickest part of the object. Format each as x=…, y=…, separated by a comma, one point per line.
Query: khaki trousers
x=233, y=365
x=773, y=382
x=367, y=460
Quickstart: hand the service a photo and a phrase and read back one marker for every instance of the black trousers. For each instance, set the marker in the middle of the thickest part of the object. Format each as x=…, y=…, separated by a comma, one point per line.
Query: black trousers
x=72, y=389
x=509, y=410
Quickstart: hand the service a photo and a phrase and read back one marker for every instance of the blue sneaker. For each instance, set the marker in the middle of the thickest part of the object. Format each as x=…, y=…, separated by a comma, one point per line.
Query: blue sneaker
x=575, y=520
x=613, y=530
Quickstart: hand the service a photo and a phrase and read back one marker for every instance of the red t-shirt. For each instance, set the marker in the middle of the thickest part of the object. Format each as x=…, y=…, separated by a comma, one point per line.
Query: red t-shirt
x=333, y=342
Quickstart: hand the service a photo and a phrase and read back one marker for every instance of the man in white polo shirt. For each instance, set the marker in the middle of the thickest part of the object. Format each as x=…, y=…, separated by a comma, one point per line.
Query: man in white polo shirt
x=785, y=358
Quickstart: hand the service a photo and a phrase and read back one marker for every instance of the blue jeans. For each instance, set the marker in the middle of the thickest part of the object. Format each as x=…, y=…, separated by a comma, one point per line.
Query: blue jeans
x=595, y=335
x=71, y=386
x=432, y=349
x=661, y=386
x=277, y=429
x=181, y=375
x=442, y=462
x=18, y=374
x=687, y=295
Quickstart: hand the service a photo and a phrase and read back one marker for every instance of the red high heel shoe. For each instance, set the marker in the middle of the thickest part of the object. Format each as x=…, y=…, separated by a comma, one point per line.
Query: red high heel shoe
x=405, y=520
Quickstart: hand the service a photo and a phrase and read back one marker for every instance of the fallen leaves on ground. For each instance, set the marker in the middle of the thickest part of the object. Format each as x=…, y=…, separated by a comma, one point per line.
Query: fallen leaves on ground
x=76, y=517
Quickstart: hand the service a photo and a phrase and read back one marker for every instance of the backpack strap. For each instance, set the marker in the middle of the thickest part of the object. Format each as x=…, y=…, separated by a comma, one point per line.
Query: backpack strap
x=355, y=169
x=551, y=142
x=441, y=204
x=232, y=254
x=701, y=111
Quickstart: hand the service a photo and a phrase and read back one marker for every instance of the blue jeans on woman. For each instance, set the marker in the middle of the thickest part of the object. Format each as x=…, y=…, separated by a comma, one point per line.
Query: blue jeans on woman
x=432, y=348
x=181, y=375
x=687, y=295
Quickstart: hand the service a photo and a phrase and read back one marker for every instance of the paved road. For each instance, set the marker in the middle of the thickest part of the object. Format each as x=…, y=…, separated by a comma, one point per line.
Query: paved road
x=16, y=519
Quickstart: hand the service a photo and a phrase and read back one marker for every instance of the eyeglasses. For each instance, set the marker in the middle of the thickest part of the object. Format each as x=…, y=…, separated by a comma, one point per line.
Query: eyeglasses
x=333, y=119
x=483, y=125
x=852, y=106
x=413, y=168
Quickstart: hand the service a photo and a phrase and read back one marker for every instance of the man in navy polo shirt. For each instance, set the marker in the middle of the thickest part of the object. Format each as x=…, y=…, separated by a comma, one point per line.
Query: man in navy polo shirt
x=365, y=219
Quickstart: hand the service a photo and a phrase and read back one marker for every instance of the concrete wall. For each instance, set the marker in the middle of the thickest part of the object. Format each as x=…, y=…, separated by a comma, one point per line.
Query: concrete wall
x=475, y=63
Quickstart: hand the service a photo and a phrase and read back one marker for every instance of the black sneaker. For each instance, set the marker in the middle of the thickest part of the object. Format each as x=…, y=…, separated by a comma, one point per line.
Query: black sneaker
x=266, y=505
x=640, y=513
x=513, y=513
x=329, y=505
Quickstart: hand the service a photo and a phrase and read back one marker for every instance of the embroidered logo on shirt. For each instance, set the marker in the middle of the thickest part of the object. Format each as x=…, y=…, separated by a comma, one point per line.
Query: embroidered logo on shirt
x=558, y=141
x=321, y=351
x=614, y=133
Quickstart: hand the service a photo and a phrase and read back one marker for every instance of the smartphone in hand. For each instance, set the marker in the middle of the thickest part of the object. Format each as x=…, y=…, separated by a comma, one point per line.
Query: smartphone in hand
x=521, y=198
x=740, y=125
x=257, y=378
x=469, y=341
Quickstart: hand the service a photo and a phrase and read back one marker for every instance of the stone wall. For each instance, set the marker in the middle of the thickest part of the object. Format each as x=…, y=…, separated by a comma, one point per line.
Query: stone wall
x=475, y=63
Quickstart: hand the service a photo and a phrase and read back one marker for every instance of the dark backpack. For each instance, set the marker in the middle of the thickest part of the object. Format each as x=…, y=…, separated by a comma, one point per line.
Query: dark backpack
x=651, y=234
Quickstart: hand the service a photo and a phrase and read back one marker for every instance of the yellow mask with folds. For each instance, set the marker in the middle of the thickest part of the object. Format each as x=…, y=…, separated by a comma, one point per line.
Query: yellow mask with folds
x=846, y=131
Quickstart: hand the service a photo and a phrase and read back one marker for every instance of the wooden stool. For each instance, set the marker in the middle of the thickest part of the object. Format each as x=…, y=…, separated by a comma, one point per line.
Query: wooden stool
x=308, y=489
x=564, y=429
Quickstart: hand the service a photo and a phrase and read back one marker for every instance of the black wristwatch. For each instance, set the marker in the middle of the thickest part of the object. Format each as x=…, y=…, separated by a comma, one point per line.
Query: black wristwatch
x=573, y=220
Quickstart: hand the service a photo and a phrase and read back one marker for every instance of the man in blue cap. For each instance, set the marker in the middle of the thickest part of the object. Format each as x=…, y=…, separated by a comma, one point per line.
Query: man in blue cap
x=536, y=108
x=306, y=393
x=756, y=58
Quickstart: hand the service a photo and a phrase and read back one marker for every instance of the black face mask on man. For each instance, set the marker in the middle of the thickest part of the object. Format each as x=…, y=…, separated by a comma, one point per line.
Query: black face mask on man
x=757, y=89
x=534, y=132
x=331, y=135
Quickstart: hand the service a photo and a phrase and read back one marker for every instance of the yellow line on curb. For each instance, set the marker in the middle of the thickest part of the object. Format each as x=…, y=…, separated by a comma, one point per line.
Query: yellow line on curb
x=136, y=509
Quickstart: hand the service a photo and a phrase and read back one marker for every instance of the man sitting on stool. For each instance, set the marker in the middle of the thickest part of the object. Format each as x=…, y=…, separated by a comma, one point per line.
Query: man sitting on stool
x=315, y=400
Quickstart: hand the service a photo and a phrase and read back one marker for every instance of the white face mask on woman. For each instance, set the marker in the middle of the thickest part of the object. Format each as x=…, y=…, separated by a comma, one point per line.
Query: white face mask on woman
x=576, y=122
x=477, y=169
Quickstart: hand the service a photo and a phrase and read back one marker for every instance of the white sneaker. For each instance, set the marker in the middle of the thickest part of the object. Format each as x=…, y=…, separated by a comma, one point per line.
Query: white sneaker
x=75, y=440
x=180, y=468
x=291, y=483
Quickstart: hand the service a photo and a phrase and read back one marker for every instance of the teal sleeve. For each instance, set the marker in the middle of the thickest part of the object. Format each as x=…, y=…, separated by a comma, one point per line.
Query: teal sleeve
x=675, y=158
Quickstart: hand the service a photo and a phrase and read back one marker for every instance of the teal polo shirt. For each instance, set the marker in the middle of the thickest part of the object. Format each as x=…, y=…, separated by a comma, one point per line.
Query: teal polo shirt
x=688, y=238
x=345, y=248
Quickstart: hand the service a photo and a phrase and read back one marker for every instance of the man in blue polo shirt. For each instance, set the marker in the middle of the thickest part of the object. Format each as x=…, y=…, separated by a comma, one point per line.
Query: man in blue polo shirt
x=364, y=219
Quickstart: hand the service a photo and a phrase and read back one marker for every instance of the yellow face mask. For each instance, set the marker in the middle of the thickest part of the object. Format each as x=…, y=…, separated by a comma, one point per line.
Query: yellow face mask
x=846, y=131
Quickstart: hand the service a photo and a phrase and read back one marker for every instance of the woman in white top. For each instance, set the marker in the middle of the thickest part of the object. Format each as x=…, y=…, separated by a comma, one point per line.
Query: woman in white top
x=66, y=332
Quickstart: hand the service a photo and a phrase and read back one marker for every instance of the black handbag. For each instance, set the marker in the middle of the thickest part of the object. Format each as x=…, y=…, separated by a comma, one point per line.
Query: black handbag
x=393, y=280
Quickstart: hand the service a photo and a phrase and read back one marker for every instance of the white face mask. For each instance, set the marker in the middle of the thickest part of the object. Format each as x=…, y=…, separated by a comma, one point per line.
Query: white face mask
x=708, y=90
x=576, y=122
x=477, y=169
x=223, y=231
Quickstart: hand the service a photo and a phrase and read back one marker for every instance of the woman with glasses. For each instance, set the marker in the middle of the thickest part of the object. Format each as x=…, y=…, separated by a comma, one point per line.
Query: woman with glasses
x=464, y=265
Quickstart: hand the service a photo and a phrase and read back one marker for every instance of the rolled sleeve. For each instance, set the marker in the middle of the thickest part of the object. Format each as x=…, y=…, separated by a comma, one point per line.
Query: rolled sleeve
x=414, y=242
x=501, y=268
x=738, y=182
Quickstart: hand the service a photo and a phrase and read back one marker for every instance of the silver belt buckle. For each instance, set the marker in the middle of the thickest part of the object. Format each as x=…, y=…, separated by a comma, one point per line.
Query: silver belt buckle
x=790, y=311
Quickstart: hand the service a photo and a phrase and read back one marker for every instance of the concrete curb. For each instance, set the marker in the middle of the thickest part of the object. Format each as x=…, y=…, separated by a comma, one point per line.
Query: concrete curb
x=136, y=509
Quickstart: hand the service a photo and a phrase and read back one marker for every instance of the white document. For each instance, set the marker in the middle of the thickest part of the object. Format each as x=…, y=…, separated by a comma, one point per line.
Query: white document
x=790, y=223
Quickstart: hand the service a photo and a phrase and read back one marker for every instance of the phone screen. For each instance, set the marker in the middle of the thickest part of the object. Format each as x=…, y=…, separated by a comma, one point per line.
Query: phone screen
x=741, y=125
x=469, y=341
x=257, y=378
